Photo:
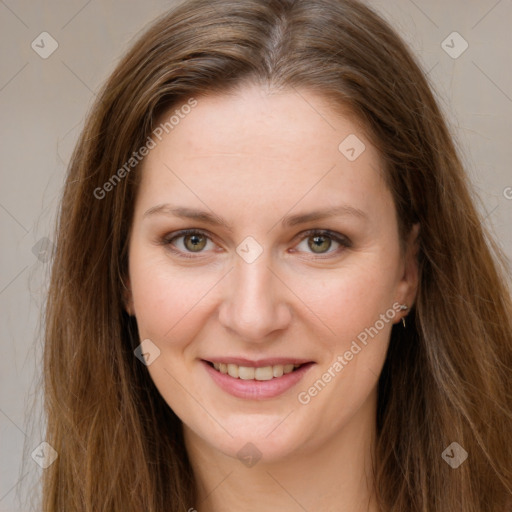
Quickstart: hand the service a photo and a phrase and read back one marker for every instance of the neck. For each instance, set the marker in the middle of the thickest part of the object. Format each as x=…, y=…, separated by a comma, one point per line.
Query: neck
x=333, y=474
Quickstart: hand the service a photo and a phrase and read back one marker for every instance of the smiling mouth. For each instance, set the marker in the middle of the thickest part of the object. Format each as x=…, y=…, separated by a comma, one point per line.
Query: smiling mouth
x=254, y=373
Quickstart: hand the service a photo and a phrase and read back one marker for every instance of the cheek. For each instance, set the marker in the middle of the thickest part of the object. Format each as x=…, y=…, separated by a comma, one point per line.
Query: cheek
x=350, y=299
x=167, y=300
x=346, y=300
x=357, y=307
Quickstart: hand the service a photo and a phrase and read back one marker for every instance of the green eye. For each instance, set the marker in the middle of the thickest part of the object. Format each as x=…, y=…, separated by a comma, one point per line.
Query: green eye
x=319, y=243
x=195, y=242
x=188, y=241
x=322, y=242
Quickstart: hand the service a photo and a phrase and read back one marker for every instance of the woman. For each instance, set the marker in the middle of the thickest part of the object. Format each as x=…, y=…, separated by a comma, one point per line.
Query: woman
x=272, y=290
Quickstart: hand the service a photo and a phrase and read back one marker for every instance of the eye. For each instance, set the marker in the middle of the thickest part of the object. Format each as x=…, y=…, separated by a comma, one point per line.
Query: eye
x=188, y=241
x=322, y=241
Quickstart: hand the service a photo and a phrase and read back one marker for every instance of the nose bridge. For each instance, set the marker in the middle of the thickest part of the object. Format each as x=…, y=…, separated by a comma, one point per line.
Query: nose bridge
x=254, y=304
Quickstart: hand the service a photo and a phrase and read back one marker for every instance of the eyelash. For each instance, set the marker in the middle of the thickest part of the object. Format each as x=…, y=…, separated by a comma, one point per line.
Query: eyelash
x=336, y=237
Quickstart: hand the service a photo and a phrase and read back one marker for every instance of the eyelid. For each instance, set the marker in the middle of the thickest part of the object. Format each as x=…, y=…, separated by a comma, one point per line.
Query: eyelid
x=169, y=238
x=166, y=239
x=342, y=240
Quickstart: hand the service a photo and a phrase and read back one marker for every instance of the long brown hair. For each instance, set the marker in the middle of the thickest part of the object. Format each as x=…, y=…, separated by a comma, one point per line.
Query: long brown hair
x=447, y=376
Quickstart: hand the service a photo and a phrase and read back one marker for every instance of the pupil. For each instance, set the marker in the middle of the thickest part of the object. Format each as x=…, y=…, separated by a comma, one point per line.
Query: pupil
x=195, y=242
x=320, y=242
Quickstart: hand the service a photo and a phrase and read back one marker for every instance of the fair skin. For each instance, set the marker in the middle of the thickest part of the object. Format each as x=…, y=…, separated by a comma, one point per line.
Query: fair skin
x=252, y=158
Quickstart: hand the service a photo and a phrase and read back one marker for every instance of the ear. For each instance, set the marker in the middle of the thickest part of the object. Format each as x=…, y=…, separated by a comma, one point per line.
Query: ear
x=408, y=285
x=128, y=297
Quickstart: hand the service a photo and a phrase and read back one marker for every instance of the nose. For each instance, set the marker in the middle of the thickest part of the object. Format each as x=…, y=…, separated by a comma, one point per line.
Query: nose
x=254, y=303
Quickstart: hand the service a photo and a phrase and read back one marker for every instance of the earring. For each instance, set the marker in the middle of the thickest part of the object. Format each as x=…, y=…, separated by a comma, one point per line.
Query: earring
x=404, y=307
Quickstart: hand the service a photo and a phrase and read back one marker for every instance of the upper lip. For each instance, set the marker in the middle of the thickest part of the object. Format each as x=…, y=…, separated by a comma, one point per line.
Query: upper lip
x=271, y=361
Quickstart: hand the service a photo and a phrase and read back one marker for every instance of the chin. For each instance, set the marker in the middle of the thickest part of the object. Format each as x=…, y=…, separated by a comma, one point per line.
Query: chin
x=256, y=438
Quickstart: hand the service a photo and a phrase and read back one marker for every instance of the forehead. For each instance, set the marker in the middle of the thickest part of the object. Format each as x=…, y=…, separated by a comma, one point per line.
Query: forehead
x=258, y=147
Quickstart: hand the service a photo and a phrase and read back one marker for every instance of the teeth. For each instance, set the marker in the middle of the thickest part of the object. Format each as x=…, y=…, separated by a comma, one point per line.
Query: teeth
x=288, y=368
x=233, y=370
x=246, y=372
x=278, y=370
x=264, y=373
x=251, y=373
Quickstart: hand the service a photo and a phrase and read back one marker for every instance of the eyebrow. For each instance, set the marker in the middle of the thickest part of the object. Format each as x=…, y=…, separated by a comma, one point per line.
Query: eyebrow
x=287, y=221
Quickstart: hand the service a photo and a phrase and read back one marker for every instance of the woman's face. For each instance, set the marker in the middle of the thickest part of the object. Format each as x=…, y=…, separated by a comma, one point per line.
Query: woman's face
x=294, y=259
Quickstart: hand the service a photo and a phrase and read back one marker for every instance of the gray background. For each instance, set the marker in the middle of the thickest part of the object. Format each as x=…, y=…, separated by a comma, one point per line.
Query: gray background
x=43, y=104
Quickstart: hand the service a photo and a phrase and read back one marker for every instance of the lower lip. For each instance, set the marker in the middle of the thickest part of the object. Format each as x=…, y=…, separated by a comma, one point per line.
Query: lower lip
x=257, y=389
